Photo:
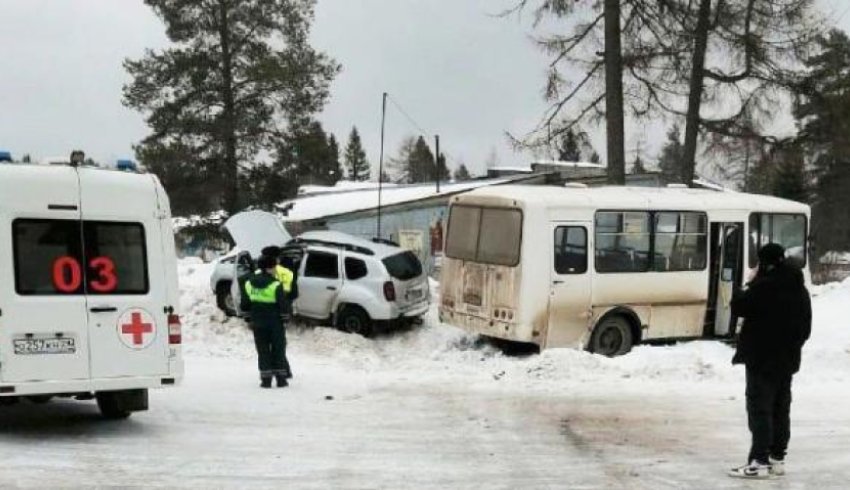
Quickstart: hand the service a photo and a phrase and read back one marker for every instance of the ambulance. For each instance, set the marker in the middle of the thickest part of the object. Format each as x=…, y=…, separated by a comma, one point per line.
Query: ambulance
x=88, y=287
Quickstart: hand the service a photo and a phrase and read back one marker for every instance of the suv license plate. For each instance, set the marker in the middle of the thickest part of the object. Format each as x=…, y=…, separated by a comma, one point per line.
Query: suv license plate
x=56, y=345
x=414, y=294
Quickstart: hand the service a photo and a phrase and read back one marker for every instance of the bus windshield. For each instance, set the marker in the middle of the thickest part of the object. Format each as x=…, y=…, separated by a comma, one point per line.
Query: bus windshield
x=485, y=235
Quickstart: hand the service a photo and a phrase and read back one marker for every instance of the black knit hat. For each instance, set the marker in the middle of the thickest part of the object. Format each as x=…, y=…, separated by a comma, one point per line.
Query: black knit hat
x=271, y=251
x=266, y=262
x=771, y=254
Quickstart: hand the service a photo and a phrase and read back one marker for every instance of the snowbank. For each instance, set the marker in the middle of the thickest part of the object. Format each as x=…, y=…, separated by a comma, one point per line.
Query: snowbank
x=436, y=350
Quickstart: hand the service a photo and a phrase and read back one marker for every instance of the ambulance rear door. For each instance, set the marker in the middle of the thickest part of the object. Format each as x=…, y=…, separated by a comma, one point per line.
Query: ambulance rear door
x=43, y=318
x=127, y=290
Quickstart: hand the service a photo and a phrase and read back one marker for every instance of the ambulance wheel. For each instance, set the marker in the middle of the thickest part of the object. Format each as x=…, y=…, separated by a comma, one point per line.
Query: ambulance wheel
x=355, y=320
x=110, y=406
x=224, y=299
x=612, y=337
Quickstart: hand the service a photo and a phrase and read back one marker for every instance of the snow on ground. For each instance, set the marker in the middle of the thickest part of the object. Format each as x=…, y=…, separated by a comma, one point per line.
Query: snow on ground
x=435, y=408
x=441, y=351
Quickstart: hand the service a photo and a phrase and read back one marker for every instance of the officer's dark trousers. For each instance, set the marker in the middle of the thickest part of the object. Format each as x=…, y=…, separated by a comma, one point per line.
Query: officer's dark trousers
x=768, y=411
x=271, y=350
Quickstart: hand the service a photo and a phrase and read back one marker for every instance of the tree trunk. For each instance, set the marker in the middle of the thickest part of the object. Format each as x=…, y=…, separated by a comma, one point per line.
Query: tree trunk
x=692, y=119
x=230, y=174
x=614, y=115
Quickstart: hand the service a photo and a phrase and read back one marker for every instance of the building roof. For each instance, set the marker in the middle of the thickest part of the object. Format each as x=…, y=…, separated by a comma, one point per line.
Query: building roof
x=328, y=204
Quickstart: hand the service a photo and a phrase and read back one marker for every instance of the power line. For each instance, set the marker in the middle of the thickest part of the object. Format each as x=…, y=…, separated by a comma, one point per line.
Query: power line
x=418, y=127
x=408, y=116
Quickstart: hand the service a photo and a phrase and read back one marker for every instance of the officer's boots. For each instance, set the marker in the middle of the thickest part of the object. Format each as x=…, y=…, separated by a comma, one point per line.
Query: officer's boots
x=266, y=382
x=281, y=380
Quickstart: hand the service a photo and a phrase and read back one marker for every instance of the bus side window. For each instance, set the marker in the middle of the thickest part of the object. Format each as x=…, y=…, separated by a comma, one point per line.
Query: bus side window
x=570, y=250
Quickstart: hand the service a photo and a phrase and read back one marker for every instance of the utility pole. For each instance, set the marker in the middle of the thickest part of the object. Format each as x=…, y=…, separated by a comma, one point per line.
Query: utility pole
x=381, y=161
x=437, y=159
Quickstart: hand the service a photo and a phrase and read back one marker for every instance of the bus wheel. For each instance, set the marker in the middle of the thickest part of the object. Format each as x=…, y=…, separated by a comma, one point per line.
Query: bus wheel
x=611, y=337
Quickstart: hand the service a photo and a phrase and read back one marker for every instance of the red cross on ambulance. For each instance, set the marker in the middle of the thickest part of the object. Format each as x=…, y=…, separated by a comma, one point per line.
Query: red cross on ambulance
x=136, y=328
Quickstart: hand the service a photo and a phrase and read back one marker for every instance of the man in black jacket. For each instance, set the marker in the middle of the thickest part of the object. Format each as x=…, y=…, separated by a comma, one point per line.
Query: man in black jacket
x=777, y=316
x=266, y=299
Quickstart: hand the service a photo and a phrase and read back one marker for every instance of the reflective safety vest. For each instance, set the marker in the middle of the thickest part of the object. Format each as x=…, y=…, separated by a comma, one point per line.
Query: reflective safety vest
x=266, y=295
x=285, y=276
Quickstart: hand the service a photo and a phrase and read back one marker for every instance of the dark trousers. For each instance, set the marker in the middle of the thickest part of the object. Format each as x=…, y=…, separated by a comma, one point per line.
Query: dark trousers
x=768, y=411
x=271, y=351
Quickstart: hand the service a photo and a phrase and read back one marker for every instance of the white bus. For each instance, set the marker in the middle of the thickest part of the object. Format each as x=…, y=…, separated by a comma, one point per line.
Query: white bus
x=605, y=268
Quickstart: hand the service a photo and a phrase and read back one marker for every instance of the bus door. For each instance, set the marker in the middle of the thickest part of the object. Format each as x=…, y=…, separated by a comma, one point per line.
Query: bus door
x=727, y=274
x=570, y=281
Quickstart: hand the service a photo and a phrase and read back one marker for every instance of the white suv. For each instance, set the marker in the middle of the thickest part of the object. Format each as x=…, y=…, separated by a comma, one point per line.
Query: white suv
x=351, y=283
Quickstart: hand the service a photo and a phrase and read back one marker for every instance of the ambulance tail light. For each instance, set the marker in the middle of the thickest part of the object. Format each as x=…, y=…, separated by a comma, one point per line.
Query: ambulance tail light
x=175, y=330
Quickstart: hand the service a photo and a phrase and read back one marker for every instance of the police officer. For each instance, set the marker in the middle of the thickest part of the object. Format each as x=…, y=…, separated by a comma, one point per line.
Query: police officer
x=267, y=302
x=284, y=275
x=287, y=279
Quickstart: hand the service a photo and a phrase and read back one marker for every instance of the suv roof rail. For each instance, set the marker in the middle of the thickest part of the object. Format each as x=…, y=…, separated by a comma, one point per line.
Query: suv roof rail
x=385, y=241
x=345, y=246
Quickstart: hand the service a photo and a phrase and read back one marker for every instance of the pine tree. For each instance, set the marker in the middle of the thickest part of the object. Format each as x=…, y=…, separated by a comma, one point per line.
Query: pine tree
x=420, y=164
x=334, y=167
x=823, y=113
x=239, y=75
x=355, y=158
x=670, y=159
x=462, y=173
x=569, y=150
x=442, y=168
x=637, y=166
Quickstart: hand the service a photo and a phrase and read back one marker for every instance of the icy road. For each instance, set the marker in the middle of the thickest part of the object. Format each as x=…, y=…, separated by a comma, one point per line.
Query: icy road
x=433, y=409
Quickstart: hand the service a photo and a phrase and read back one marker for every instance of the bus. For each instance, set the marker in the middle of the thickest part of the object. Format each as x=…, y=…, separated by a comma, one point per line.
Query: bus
x=606, y=268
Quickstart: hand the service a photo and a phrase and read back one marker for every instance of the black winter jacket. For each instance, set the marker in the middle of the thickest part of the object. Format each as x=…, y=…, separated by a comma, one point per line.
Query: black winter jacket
x=265, y=315
x=777, y=314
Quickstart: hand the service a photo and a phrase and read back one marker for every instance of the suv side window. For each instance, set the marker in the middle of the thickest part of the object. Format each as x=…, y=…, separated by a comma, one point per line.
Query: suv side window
x=355, y=269
x=322, y=264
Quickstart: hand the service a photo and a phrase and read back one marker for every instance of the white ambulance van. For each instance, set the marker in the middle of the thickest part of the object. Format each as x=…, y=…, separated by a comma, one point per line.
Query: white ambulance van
x=88, y=287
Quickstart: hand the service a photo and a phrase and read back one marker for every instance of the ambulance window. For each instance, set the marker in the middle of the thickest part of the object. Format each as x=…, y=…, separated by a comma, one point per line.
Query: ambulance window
x=117, y=258
x=48, y=254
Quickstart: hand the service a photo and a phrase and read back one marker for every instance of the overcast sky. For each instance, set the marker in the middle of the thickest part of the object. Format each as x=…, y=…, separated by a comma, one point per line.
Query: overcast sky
x=454, y=67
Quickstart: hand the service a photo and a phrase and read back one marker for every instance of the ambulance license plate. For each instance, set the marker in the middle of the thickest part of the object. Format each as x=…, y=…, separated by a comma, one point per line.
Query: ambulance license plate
x=55, y=345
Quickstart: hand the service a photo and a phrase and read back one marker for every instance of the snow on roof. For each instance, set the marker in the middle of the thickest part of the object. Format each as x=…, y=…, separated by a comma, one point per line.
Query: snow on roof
x=559, y=163
x=331, y=204
x=180, y=222
x=342, y=185
x=510, y=168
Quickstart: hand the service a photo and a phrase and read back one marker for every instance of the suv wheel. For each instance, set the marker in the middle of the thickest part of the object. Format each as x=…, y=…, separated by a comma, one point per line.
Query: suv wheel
x=224, y=299
x=355, y=320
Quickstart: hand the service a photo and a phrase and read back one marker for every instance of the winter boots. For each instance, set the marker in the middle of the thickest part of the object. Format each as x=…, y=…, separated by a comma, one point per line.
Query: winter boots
x=281, y=380
x=266, y=382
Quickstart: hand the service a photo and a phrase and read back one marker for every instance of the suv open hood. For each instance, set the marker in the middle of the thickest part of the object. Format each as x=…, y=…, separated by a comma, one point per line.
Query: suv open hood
x=254, y=230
